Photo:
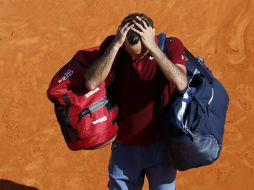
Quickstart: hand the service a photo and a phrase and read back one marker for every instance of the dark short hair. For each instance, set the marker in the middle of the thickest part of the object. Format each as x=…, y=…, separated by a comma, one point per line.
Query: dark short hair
x=132, y=37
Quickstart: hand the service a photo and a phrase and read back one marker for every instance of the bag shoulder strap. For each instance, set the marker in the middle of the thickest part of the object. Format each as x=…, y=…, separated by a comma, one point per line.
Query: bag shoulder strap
x=162, y=44
x=198, y=66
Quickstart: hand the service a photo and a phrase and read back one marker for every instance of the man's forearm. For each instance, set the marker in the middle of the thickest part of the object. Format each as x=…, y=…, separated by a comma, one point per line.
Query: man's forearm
x=100, y=69
x=171, y=71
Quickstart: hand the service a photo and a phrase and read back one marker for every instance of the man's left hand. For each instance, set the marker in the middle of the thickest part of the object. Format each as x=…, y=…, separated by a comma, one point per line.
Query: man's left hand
x=147, y=34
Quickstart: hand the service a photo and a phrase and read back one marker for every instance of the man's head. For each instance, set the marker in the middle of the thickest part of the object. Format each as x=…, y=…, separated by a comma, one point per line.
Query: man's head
x=133, y=43
x=132, y=37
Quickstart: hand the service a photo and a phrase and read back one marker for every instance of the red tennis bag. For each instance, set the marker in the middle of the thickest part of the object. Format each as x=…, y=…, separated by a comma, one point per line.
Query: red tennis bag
x=87, y=118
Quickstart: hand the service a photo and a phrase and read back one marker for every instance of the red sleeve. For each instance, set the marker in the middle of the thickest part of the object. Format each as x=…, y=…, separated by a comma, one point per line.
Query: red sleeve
x=176, y=51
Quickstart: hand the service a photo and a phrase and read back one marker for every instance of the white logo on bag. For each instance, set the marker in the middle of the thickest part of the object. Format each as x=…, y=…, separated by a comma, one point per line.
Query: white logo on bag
x=90, y=93
x=102, y=119
x=68, y=73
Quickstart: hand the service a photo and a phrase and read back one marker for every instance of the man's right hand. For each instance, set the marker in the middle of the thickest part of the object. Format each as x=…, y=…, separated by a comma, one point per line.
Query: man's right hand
x=121, y=34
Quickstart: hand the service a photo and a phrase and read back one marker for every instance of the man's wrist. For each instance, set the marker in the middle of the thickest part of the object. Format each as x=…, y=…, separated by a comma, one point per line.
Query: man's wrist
x=116, y=45
x=154, y=50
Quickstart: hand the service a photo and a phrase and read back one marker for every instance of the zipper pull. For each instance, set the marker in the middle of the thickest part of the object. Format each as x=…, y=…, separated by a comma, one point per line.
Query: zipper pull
x=84, y=113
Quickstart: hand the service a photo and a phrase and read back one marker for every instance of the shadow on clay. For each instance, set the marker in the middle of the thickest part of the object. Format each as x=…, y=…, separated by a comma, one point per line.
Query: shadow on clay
x=10, y=185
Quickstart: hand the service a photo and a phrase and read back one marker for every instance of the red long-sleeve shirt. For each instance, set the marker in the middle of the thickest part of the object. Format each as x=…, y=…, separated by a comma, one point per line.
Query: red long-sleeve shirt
x=137, y=89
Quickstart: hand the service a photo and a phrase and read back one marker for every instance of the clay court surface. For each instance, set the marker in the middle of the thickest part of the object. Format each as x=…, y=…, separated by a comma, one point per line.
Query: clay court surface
x=37, y=37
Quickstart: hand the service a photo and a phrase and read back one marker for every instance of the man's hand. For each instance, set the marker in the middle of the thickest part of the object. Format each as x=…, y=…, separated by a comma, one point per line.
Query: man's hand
x=121, y=34
x=100, y=69
x=147, y=34
x=173, y=72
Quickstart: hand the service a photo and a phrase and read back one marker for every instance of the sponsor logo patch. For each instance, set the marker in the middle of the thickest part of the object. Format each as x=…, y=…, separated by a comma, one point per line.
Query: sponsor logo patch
x=90, y=93
x=67, y=75
x=100, y=120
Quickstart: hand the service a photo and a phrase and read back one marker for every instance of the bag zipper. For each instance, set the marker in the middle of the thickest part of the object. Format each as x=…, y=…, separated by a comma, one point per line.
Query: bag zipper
x=92, y=108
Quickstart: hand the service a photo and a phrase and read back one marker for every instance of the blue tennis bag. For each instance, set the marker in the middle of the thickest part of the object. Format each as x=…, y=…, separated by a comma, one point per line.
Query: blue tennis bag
x=194, y=118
